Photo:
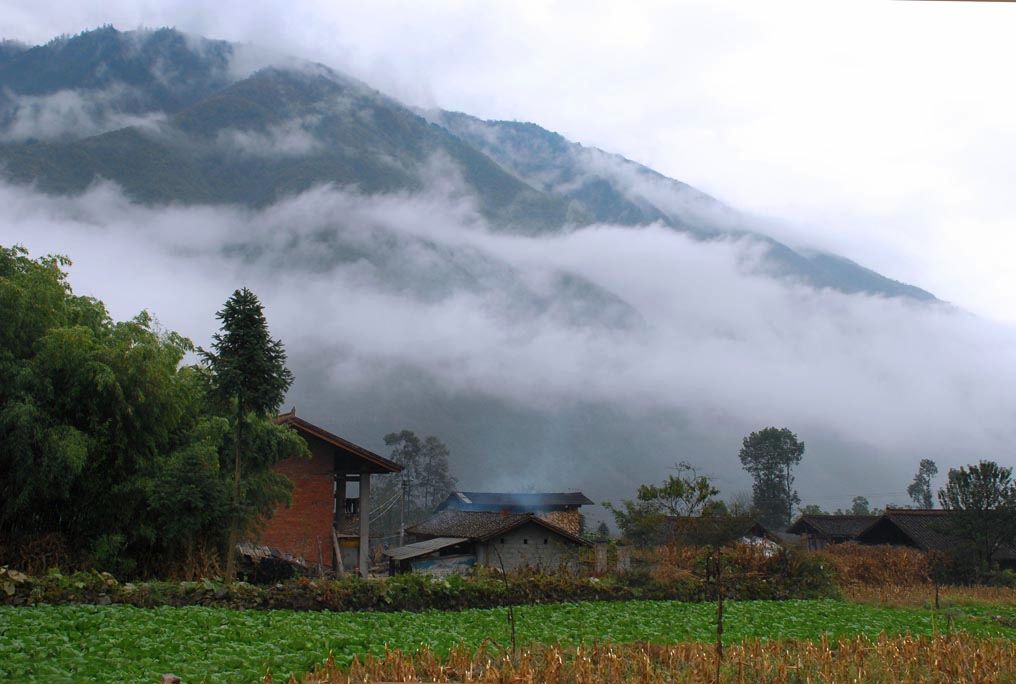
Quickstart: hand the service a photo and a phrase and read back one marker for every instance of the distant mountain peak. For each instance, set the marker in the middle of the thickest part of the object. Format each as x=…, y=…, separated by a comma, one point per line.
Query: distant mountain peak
x=178, y=118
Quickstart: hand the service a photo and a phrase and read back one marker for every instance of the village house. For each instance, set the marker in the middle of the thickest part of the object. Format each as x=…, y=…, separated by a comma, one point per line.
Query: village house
x=455, y=540
x=821, y=530
x=328, y=520
x=924, y=529
x=559, y=508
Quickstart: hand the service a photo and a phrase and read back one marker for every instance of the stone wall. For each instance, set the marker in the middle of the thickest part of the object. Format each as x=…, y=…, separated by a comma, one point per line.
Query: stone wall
x=530, y=546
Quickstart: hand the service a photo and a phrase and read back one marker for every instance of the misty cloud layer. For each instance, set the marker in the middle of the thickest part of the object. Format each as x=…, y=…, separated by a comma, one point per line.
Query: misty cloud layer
x=630, y=348
x=71, y=114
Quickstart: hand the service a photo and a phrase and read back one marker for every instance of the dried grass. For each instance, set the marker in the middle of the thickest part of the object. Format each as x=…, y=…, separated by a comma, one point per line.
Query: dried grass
x=900, y=576
x=924, y=595
x=959, y=659
x=877, y=565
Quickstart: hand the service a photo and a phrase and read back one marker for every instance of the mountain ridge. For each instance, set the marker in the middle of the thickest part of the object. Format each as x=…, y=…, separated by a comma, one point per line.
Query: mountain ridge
x=210, y=134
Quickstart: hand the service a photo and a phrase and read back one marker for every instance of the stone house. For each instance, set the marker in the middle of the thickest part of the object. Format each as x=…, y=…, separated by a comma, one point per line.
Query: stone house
x=453, y=540
x=559, y=508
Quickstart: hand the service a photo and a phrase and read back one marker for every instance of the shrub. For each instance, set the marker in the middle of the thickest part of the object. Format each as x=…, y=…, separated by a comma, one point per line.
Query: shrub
x=789, y=576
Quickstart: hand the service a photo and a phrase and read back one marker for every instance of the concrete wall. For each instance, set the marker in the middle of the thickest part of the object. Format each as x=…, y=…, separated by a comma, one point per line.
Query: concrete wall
x=529, y=546
x=308, y=521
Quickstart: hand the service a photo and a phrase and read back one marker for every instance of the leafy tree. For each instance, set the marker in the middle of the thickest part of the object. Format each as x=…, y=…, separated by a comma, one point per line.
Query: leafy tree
x=642, y=520
x=716, y=508
x=813, y=509
x=860, y=506
x=920, y=489
x=769, y=455
x=90, y=409
x=682, y=494
x=602, y=531
x=110, y=445
x=425, y=466
x=426, y=480
x=249, y=376
x=982, y=498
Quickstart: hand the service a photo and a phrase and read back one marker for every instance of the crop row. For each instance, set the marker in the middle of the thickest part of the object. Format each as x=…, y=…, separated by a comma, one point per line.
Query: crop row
x=956, y=659
x=119, y=643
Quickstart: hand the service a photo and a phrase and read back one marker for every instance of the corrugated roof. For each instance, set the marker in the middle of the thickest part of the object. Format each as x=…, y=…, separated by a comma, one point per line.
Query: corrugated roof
x=524, y=501
x=424, y=547
x=483, y=525
x=842, y=526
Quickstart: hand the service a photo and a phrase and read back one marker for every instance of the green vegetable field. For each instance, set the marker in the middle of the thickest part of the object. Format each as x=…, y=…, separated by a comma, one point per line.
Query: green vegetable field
x=121, y=643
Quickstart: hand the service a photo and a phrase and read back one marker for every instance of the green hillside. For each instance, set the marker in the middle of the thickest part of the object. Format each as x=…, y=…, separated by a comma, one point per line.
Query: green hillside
x=218, y=136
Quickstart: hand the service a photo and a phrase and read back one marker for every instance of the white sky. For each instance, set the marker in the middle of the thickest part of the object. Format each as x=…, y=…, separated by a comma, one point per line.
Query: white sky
x=884, y=131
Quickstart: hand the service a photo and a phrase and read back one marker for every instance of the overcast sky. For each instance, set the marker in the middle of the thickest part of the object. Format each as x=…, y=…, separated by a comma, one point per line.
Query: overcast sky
x=880, y=130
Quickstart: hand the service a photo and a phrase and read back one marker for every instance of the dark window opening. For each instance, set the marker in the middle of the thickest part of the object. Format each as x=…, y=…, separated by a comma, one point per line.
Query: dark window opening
x=525, y=541
x=502, y=540
x=545, y=541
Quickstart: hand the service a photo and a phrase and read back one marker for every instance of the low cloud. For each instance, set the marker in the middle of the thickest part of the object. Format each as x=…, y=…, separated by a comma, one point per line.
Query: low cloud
x=293, y=138
x=69, y=114
x=593, y=358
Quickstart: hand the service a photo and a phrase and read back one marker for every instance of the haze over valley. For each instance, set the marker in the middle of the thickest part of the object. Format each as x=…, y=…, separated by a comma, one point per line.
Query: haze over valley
x=563, y=317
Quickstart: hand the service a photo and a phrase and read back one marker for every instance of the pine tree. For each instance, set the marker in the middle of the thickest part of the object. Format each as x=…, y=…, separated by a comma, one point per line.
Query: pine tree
x=249, y=374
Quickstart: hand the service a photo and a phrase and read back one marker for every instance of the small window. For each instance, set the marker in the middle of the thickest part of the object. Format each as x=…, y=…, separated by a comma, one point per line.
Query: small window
x=502, y=540
x=525, y=541
x=545, y=541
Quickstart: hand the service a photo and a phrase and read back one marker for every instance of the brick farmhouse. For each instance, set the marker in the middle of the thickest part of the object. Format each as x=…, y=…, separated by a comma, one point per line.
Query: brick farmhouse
x=328, y=519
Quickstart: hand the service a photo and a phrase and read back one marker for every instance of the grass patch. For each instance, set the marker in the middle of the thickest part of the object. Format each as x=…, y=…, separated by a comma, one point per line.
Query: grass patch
x=122, y=643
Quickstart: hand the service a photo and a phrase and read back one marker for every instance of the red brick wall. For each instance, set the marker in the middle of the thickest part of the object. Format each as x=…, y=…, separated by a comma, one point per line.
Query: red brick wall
x=298, y=529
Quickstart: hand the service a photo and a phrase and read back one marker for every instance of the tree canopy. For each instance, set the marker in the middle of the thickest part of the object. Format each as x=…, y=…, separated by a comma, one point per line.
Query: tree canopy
x=113, y=449
x=769, y=455
x=983, y=500
x=426, y=480
x=683, y=494
x=920, y=489
x=249, y=380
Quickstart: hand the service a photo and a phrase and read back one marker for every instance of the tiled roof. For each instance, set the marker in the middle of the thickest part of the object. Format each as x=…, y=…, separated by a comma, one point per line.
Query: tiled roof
x=927, y=528
x=482, y=525
x=842, y=526
x=374, y=462
x=731, y=526
x=517, y=501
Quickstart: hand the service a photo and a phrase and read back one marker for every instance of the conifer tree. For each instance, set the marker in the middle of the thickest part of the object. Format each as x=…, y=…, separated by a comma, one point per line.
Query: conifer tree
x=249, y=375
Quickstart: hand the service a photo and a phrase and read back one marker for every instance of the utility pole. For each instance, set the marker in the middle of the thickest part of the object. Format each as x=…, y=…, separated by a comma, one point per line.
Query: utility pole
x=402, y=511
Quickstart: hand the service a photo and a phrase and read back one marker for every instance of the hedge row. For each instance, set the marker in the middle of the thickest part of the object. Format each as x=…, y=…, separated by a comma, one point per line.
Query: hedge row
x=413, y=592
